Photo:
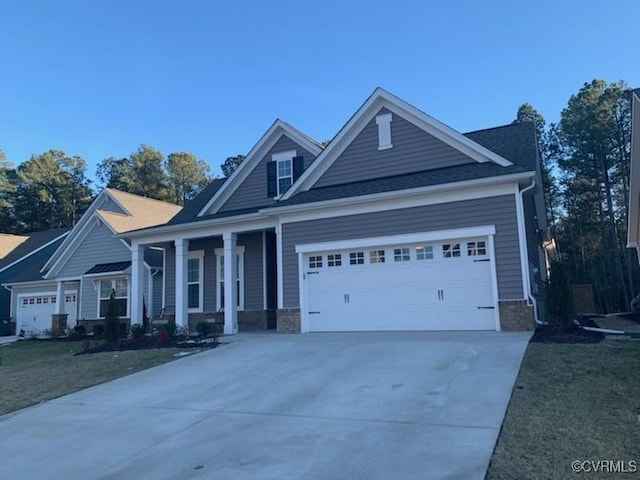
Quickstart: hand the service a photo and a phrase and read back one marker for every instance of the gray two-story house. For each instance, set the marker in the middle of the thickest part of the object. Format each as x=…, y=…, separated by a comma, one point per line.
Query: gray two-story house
x=400, y=223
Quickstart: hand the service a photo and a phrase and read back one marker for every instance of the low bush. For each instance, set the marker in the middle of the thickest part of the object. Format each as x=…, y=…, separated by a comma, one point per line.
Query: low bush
x=203, y=329
x=137, y=330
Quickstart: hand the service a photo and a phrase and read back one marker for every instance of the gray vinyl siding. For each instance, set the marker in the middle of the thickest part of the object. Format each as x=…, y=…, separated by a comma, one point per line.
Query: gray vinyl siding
x=156, y=305
x=536, y=267
x=99, y=246
x=499, y=211
x=253, y=191
x=253, y=273
x=414, y=150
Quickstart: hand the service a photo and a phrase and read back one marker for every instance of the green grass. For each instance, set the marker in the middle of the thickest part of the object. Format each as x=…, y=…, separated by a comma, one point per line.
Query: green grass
x=33, y=371
x=571, y=402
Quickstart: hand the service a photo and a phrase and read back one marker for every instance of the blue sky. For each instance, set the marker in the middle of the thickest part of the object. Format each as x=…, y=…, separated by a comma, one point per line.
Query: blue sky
x=99, y=78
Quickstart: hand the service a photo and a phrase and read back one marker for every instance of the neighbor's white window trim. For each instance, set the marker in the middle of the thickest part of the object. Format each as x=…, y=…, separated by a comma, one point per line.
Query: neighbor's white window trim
x=112, y=280
x=219, y=260
x=196, y=255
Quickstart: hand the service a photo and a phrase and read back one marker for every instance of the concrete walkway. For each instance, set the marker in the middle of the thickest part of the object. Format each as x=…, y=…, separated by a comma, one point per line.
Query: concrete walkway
x=266, y=406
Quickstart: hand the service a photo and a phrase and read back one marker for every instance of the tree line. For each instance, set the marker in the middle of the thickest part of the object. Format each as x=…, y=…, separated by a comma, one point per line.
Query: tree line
x=586, y=159
x=585, y=162
x=52, y=190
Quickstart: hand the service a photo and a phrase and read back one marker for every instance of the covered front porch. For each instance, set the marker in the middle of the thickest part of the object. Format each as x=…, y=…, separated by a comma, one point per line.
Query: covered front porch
x=195, y=267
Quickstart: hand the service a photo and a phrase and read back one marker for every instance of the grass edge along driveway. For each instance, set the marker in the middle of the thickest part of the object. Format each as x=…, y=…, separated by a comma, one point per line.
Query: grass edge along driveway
x=572, y=402
x=34, y=371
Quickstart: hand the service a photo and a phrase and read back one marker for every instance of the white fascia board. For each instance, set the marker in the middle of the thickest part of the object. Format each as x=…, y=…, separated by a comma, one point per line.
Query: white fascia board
x=33, y=251
x=381, y=98
x=253, y=158
x=78, y=226
x=35, y=283
x=236, y=224
x=432, y=236
x=107, y=274
x=633, y=235
x=448, y=192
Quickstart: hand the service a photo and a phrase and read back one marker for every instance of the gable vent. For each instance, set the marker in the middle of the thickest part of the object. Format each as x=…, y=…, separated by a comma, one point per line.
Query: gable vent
x=384, y=131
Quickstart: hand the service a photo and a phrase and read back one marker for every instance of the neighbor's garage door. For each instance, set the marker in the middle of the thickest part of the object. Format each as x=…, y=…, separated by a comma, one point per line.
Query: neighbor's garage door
x=444, y=285
x=34, y=311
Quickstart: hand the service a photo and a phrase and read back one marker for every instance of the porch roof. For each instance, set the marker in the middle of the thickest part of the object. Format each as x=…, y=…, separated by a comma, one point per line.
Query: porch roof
x=108, y=268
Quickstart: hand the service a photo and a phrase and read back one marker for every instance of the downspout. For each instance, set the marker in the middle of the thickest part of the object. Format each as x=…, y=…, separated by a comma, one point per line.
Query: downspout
x=530, y=298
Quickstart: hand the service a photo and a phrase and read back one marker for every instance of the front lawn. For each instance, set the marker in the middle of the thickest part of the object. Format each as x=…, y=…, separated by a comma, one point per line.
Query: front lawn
x=33, y=371
x=571, y=402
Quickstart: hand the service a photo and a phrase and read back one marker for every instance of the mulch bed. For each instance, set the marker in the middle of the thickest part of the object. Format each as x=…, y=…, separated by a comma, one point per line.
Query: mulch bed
x=544, y=334
x=145, y=343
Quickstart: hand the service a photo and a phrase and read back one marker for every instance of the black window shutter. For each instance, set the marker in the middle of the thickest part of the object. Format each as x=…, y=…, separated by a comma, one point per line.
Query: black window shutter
x=298, y=167
x=272, y=179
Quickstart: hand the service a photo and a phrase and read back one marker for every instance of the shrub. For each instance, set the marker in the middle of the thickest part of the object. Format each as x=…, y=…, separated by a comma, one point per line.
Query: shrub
x=203, y=329
x=79, y=330
x=138, y=330
x=170, y=328
x=559, y=299
x=98, y=330
x=111, y=320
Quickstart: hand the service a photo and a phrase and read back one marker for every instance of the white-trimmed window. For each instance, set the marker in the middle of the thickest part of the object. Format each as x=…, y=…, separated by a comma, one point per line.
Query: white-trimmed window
x=356, y=258
x=401, y=254
x=334, y=260
x=376, y=256
x=424, y=252
x=195, y=277
x=117, y=285
x=284, y=170
x=476, y=248
x=450, y=250
x=220, y=273
x=384, y=131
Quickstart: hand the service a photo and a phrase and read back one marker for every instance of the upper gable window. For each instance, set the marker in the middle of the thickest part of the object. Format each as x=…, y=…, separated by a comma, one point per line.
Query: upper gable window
x=384, y=131
x=284, y=169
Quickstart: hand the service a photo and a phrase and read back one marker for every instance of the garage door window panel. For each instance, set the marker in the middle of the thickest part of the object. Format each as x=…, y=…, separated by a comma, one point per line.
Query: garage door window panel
x=401, y=254
x=356, y=258
x=334, y=260
x=478, y=248
x=315, y=261
x=451, y=250
x=424, y=252
x=376, y=256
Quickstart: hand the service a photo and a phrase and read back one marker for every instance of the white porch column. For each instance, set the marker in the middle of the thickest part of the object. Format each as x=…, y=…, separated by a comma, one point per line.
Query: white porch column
x=230, y=284
x=182, y=255
x=59, y=299
x=137, y=283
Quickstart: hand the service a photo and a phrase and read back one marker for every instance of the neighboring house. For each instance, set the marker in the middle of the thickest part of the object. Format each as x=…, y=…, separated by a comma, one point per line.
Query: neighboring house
x=90, y=263
x=400, y=223
x=9, y=243
x=23, y=263
x=633, y=233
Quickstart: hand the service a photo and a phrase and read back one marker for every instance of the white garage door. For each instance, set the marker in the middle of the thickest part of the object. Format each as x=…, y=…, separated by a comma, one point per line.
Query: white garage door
x=34, y=311
x=444, y=285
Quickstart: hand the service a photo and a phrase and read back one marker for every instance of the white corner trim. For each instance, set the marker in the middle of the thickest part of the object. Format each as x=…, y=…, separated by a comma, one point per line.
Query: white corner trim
x=304, y=315
x=279, y=263
x=419, y=237
x=494, y=281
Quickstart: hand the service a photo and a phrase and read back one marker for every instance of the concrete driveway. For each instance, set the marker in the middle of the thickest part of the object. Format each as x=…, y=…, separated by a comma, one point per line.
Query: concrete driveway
x=268, y=406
